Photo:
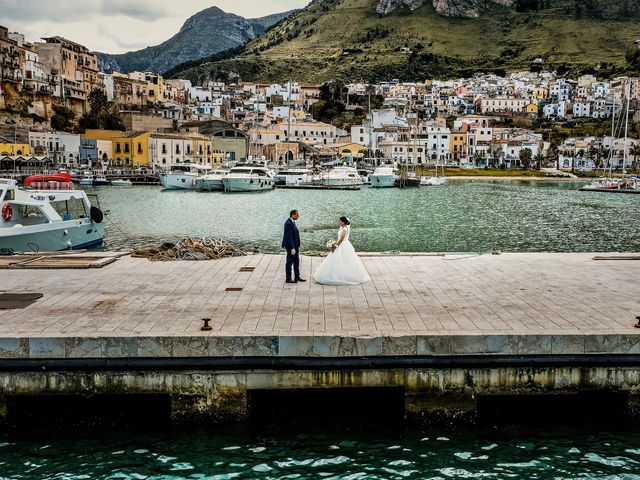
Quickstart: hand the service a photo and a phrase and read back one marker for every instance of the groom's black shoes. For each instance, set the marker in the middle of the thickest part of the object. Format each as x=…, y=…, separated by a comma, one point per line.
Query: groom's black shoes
x=300, y=279
x=291, y=281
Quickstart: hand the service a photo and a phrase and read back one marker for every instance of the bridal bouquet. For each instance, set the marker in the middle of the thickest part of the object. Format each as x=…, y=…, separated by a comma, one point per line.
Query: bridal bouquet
x=330, y=243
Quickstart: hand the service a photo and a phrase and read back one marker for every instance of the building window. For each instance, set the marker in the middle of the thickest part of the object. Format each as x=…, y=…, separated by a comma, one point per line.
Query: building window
x=118, y=148
x=126, y=148
x=188, y=149
x=164, y=148
x=177, y=149
x=139, y=147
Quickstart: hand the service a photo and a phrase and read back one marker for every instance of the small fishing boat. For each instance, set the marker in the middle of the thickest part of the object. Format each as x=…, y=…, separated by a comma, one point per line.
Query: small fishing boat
x=48, y=215
x=294, y=176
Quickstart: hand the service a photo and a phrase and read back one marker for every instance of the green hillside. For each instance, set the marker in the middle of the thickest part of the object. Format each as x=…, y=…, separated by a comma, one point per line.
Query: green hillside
x=347, y=39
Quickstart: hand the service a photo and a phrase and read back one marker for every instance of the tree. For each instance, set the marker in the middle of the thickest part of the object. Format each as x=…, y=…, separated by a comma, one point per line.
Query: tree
x=537, y=160
x=102, y=114
x=526, y=156
x=635, y=151
x=62, y=118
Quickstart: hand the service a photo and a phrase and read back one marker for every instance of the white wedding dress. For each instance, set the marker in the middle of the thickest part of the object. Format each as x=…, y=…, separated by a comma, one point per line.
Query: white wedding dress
x=343, y=266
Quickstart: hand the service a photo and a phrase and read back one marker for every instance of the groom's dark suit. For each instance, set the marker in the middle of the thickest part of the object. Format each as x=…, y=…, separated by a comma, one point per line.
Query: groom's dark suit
x=290, y=241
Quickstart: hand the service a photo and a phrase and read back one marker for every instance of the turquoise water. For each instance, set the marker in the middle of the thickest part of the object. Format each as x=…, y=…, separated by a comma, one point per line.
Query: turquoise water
x=504, y=454
x=464, y=216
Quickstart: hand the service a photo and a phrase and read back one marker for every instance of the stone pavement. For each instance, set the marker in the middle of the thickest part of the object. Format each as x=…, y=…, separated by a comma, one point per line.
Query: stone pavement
x=513, y=304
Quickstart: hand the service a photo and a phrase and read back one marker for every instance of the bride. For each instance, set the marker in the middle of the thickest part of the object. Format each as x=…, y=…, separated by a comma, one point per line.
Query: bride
x=342, y=266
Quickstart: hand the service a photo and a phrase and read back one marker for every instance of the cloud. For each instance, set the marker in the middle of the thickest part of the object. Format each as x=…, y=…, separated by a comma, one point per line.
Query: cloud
x=72, y=10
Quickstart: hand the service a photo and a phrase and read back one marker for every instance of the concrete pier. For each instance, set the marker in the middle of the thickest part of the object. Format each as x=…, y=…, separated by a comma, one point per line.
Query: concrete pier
x=445, y=329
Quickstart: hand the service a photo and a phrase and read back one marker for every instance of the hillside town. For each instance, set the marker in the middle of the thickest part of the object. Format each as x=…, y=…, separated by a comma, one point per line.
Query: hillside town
x=54, y=100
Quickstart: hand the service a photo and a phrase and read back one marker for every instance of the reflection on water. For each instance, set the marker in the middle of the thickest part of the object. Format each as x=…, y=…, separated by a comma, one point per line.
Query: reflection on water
x=459, y=217
x=505, y=454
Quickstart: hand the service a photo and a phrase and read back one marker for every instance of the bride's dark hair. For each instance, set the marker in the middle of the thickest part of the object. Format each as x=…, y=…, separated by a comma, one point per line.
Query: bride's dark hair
x=345, y=220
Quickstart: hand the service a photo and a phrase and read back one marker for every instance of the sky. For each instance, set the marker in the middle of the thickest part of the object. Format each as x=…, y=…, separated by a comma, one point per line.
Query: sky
x=118, y=26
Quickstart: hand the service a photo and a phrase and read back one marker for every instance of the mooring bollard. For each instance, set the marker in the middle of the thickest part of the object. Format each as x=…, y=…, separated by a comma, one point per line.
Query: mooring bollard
x=206, y=327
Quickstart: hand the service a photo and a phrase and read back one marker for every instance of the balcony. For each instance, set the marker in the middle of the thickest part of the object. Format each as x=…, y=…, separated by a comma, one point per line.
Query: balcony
x=15, y=77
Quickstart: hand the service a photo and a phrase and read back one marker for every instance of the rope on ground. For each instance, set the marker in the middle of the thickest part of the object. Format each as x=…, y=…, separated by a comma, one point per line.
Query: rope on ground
x=190, y=249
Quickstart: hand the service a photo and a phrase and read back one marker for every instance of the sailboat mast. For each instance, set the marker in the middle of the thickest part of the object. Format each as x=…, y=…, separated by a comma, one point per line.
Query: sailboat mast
x=289, y=126
x=613, y=132
x=626, y=128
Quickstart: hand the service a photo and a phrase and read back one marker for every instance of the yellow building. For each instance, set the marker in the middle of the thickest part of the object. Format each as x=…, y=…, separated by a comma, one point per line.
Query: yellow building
x=532, y=108
x=349, y=151
x=8, y=148
x=458, y=145
x=204, y=152
x=131, y=150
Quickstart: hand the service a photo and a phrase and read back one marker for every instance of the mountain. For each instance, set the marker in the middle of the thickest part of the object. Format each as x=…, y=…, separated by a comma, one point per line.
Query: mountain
x=417, y=39
x=205, y=33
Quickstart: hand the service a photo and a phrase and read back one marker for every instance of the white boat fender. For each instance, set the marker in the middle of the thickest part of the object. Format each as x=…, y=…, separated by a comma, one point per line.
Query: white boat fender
x=96, y=215
x=66, y=232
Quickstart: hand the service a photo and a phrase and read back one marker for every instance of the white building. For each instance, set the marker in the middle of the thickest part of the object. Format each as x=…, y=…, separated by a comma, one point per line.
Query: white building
x=169, y=149
x=503, y=105
x=61, y=147
x=581, y=109
x=316, y=133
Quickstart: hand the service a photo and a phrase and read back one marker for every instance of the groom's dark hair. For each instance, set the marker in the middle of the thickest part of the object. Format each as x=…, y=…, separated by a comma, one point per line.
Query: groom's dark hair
x=292, y=213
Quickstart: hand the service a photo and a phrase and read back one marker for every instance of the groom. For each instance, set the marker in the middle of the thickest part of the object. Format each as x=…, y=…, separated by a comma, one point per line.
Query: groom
x=291, y=242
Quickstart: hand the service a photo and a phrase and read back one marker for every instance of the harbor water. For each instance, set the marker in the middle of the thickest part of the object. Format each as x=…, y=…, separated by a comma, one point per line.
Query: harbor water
x=493, y=454
x=463, y=216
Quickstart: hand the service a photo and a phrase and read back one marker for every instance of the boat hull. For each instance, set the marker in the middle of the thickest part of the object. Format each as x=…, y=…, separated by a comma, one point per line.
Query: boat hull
x=383, y=181
x=70, y=235
x=247, y=184
x=178, y=182
x=209, y=185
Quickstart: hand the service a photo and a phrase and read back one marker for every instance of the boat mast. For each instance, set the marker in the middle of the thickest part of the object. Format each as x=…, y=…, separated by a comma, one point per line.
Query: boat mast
x=626, y=127
x=613, y=132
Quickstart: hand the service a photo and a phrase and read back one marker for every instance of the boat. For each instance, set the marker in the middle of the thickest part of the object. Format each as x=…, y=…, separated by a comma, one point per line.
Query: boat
x=54, y=181
x=383, y=177
x=434, y=180
x=183, y=176
x=365, y=175
x=121, y=183
x=610, y=184
x=51, y=216
x=248, y=179
x=90, y=180
x=293, y=176
x=340, y=177
x=211, y=181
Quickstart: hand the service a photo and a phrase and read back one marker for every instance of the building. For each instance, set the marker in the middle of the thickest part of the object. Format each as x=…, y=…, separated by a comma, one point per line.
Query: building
x=60, y=147
x=154, y=84
x=124, y=90
x=10, y=148
x=131, y=150
x=458, y=150
x=11, y=60
x=203, y=151
x=503, y=105
x=74, y=69
x=234, y=143
x=316, y=133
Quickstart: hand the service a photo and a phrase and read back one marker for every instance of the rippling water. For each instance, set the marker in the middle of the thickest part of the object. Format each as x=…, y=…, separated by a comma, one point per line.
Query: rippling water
x=464, y=216
x=563, y=454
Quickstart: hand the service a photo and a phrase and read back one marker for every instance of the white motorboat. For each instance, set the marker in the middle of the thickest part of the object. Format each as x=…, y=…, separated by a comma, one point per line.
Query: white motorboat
x=91, y=180
x=294, y=176
x=340, y=177
x=248, y=179
x=183, y=176
x=122, y=183
x=365, y=175
x=211, y=181
x=383, y=177
x=51, y=216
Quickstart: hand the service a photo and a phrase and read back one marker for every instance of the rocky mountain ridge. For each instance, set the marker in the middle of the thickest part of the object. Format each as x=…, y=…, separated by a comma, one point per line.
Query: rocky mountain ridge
x=206, y=33
x=449, y=8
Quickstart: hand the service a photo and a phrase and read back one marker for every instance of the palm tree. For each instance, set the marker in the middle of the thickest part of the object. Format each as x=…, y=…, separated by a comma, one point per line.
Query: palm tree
x=538, y=159
x=635, y=151
x=100, y=107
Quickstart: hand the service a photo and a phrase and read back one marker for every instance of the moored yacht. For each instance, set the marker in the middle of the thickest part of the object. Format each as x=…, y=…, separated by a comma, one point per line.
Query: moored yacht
x=383, y=177
x=50, y=217
x=183, y=176
x=211, y=181
x=341, y=177
x=91, y=180
x=248, y=179
x=293, y=176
